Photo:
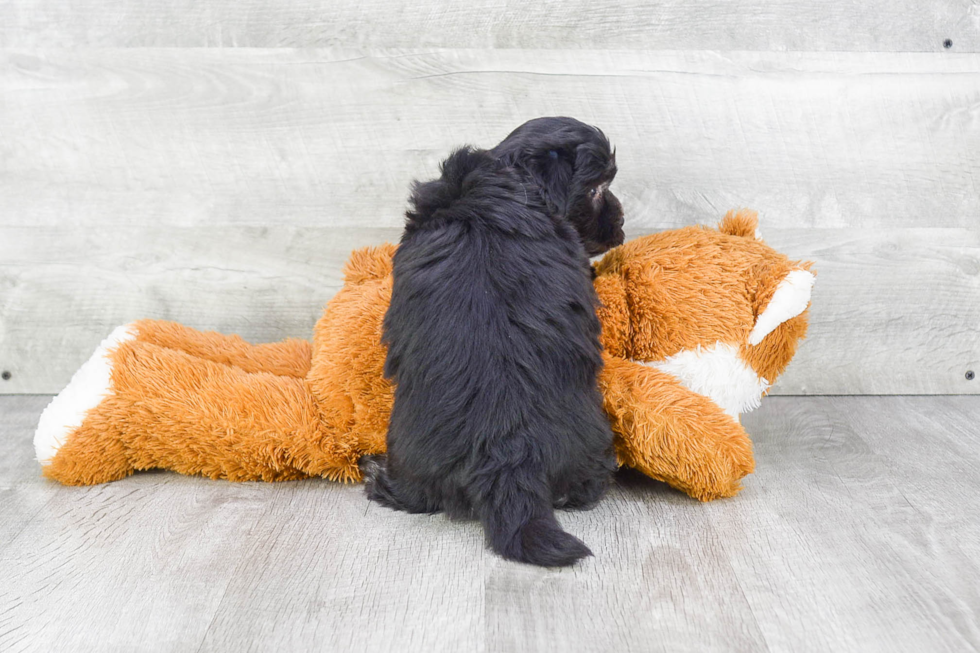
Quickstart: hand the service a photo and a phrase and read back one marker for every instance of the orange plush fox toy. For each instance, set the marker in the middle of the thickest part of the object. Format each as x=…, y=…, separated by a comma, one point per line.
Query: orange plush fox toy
x=697, y=324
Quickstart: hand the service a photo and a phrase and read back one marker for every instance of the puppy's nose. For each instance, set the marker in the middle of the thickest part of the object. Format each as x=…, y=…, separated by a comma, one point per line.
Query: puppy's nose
x=615, y=235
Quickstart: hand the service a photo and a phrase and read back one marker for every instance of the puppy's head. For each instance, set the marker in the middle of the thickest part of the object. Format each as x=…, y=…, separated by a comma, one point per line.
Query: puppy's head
x=573, y=164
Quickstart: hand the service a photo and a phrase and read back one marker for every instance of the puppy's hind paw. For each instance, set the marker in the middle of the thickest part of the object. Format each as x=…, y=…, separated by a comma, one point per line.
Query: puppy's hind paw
x=585, y=495
x=381, y=488
x=371, y=467
x=376, y=485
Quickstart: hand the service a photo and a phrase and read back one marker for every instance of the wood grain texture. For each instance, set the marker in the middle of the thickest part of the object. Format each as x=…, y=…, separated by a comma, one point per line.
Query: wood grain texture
x=857, y=532
x=870, y=503
x=334, y=137
x=875, y=25
x=21, y=496
x=894, y=311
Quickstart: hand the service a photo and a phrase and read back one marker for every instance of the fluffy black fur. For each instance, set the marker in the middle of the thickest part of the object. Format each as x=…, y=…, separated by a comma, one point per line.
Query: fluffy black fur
x=493, y=345
x=573, y=164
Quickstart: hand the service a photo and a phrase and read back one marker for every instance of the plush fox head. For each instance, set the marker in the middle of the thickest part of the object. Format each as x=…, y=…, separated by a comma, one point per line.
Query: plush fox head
x=719, y=309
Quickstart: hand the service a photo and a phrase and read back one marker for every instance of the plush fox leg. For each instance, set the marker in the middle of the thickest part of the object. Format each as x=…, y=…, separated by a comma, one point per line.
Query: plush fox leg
x=673, y=434
x=135, y=405
x=289, y=357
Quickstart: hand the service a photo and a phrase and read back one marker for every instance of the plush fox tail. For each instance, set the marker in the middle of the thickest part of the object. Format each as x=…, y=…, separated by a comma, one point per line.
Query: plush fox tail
x=519, y=520
x=61, y=422
x=136, y=405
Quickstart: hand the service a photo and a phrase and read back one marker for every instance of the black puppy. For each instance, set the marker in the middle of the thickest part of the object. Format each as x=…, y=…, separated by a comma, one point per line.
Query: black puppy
x=493, y=341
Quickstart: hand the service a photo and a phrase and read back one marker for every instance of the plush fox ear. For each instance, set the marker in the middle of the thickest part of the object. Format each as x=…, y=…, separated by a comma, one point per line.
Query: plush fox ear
x=369, y=263
x=791, y=298
x=743, y=222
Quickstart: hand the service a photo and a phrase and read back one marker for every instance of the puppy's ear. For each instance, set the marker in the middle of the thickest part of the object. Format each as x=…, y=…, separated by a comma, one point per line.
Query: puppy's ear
x=593, y=161
x=563, y=171
x=552, y=168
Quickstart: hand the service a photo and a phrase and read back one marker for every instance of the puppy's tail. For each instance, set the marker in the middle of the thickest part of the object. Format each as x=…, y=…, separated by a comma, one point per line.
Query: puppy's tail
x=518, y=518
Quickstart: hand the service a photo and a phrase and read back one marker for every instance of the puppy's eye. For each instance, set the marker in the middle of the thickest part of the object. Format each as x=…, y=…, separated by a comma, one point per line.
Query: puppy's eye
x=594, y=192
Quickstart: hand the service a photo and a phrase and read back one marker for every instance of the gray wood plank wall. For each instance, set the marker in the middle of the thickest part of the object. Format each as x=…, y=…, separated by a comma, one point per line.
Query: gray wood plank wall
x=224, y=187
x=803, y=25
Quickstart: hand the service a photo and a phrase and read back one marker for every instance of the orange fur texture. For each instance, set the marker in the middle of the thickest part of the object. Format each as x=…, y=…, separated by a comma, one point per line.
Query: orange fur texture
x=214, y=405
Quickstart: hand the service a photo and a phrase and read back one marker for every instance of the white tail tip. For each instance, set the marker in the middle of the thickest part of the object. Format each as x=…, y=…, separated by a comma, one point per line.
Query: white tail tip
x=87, y=388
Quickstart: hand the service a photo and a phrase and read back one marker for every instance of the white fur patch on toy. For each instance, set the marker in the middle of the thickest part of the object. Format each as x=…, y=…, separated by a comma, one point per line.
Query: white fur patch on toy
x=87, y=388
x=791, y=298
x=718, y=373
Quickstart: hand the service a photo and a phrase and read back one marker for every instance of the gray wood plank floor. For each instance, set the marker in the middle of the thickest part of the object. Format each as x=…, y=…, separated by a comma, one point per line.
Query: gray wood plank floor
x=859, y=532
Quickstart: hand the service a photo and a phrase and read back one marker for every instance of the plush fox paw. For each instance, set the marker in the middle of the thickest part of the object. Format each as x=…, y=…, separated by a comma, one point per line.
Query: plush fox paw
x=88, y=388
